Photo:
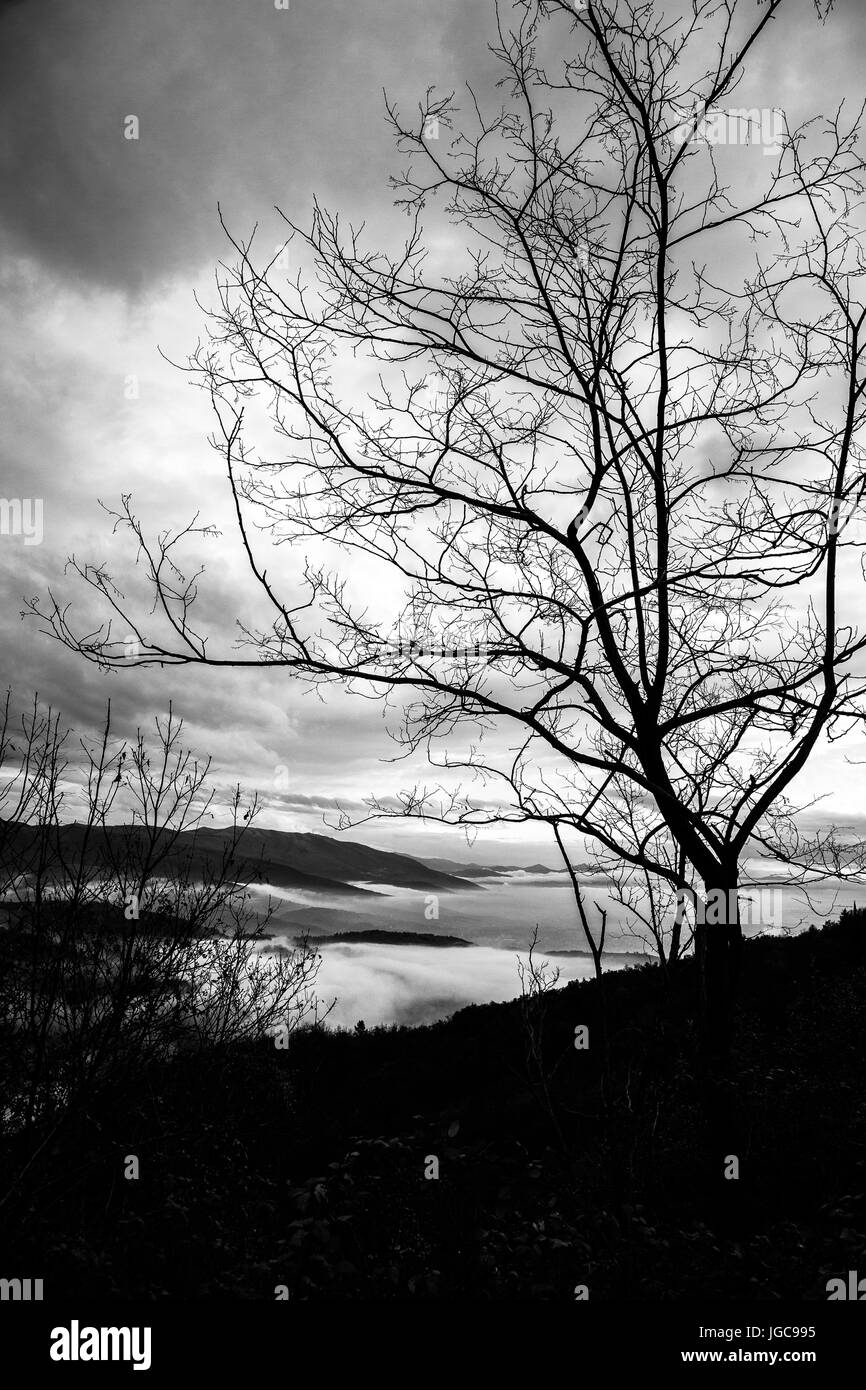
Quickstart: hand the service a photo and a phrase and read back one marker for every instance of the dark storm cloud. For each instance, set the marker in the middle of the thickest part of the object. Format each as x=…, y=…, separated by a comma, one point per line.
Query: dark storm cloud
x=237, y=102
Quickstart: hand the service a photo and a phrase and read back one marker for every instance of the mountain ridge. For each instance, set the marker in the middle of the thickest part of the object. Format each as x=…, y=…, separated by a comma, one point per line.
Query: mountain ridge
x=283, y=858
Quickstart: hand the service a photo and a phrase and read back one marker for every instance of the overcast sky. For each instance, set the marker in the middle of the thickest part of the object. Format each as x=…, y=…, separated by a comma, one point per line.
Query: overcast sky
x=104, y=242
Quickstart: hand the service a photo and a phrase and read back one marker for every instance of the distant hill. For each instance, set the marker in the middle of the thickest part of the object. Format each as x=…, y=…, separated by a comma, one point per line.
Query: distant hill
x=286, y=859
x=384, y=938
x=473, y=870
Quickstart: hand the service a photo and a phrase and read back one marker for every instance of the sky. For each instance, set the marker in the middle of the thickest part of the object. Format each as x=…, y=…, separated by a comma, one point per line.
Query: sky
x=105, y=242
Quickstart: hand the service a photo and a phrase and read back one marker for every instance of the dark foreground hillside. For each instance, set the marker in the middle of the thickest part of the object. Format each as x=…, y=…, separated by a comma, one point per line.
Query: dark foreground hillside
x=305, y=1169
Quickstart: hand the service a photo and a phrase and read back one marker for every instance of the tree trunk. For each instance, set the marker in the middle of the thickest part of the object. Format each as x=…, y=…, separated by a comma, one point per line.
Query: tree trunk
x=718, y=948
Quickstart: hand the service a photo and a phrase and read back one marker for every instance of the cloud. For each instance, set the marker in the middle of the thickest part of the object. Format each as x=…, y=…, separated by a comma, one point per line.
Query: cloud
x=238, y=103
x=106, y=239
x=419, y=984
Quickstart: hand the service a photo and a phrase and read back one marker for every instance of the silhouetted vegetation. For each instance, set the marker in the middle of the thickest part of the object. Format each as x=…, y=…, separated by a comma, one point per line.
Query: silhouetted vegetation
x=305, y=1167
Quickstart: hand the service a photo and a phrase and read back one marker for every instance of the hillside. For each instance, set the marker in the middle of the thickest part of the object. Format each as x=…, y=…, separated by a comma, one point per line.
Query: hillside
x=287, y=859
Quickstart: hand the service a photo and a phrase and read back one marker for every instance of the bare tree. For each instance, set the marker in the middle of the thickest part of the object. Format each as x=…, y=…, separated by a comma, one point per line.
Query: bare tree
x=538, y=978
x=613, y=433
x=124, y=941
x=653, y=904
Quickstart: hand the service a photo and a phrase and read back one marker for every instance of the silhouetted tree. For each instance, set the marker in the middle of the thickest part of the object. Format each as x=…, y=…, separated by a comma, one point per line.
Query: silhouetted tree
x=599, y=448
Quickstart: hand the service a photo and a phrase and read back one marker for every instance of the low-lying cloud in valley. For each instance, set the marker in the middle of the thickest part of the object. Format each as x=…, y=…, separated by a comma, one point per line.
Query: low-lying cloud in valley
x=419, y=984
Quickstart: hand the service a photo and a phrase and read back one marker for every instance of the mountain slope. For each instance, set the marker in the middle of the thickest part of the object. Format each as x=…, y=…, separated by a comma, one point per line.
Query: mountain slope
x=286, y=859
